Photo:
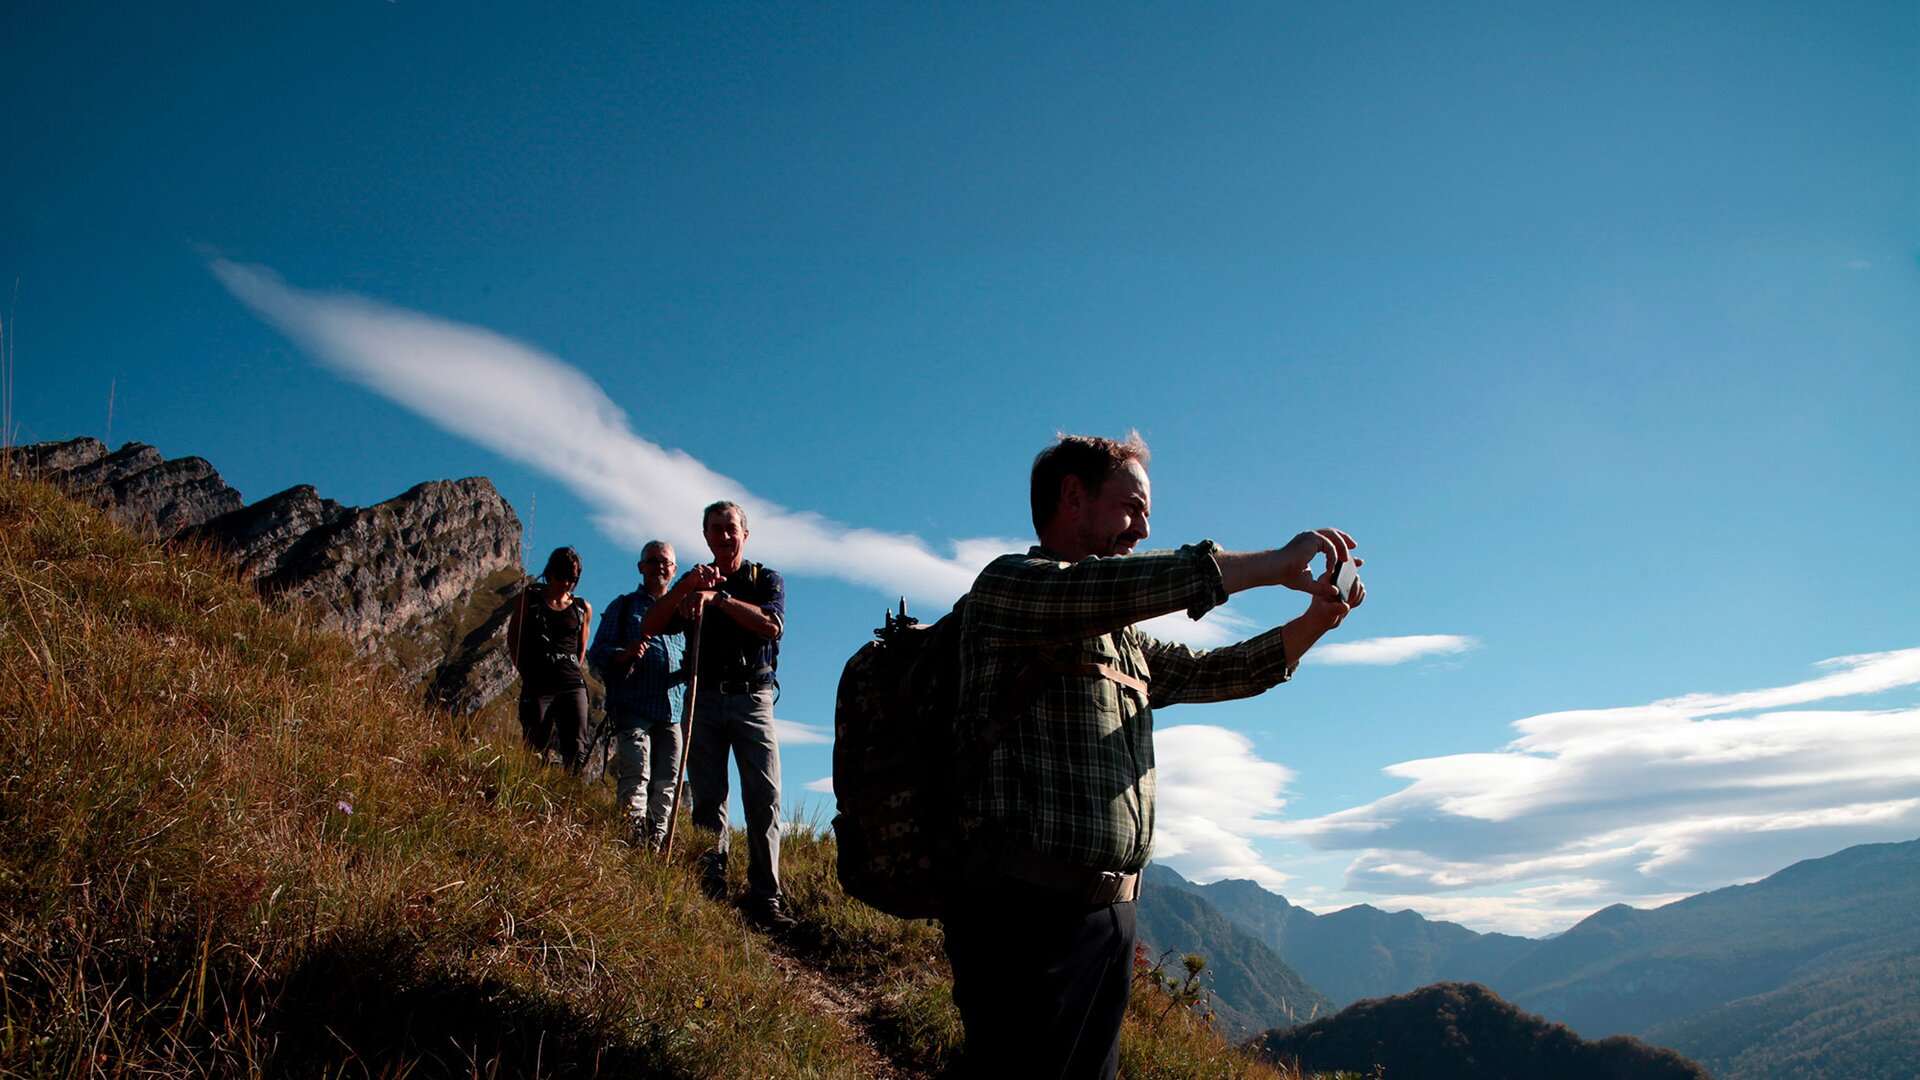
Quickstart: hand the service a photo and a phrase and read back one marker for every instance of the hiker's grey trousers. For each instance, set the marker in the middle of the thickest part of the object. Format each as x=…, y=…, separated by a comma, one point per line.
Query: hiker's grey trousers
x=646, y=766
x=742, y=723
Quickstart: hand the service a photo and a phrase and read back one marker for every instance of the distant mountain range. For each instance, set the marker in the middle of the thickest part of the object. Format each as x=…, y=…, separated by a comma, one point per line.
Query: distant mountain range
x=1362, y=952
x=1812, y=973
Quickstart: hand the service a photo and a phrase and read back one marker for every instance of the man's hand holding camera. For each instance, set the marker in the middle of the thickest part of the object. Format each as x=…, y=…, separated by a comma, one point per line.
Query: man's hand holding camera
x=1336, y=591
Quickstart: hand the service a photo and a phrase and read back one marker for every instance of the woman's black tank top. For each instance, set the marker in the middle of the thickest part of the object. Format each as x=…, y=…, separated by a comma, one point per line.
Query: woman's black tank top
x=550, y=644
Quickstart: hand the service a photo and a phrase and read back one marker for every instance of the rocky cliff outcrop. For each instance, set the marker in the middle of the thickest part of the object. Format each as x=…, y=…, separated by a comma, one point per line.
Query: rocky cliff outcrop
x=135, y=485
x=424, y=580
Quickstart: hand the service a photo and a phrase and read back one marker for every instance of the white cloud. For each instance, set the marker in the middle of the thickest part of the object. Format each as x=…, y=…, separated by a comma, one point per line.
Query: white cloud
x=822, y=786
x=1390, y=650
x=795, y=733
x=1649, y=802
x=1585, y=808
x=1527, y=912
x=1221, y=626
x=476, y=384
x=1214, y=796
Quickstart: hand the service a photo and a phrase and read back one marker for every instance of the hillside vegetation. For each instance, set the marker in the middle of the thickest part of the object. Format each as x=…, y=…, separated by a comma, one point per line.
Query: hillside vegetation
x=1463, y=1031
x=233, y=850
x=1253, y=989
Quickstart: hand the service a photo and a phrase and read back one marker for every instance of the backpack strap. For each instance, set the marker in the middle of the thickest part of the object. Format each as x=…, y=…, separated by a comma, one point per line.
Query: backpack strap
x=518, y=653
x=1041, y=668
x=626, y=608
x=622, y=605
x=1104, y=671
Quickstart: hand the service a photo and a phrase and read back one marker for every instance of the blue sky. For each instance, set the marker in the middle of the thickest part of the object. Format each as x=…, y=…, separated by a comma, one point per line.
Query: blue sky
x=1598, y=326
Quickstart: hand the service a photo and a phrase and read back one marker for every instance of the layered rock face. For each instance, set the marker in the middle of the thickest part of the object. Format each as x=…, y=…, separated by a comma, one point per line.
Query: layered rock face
x=424, y=580
x=135, y=485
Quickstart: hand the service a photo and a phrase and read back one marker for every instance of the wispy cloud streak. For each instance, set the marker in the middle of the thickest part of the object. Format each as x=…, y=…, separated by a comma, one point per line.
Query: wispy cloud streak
x=1386, y=651
x=476, y=384
x=795, y=733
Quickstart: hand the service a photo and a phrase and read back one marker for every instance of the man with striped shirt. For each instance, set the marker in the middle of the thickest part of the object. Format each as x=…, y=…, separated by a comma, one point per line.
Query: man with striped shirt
x=1057, y=691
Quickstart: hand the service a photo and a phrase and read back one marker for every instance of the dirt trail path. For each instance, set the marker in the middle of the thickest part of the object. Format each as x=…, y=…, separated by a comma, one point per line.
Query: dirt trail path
x=849, y=1004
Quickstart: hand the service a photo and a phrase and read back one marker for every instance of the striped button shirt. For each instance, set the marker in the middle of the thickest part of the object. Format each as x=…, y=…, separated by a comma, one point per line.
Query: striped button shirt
x=1072, y=778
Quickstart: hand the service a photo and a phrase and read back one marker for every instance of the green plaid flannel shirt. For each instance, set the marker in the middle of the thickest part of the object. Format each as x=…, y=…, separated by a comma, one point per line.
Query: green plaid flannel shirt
x=1073, y=777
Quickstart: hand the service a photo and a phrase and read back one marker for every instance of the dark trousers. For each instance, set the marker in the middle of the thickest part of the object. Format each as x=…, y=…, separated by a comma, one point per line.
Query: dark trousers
x=1041, y=980
x=557, y=721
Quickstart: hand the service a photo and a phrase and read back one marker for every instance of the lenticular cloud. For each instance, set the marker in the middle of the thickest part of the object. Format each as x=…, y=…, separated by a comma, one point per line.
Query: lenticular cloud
x=1677, y=795
x=475, y=383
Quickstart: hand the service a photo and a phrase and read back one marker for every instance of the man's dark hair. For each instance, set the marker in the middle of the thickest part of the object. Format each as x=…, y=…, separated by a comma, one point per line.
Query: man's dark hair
x=564, y=562
x=1088, y=457
x=723, y=504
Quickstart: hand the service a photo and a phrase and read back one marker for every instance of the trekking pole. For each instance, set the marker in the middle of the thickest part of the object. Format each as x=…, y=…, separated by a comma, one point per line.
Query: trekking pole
x=692, y=664
x=599, y=745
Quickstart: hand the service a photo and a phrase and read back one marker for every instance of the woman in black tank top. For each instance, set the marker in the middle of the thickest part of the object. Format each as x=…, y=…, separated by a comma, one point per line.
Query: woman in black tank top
x=547, y=639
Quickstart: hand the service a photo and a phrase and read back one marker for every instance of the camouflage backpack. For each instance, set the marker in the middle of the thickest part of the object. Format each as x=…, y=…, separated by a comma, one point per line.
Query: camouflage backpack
x=896, y=766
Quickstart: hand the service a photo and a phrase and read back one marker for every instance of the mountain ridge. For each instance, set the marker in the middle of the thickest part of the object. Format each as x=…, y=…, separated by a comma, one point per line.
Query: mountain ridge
x=1811, y=972
x=423, y=581
x=1708, y=974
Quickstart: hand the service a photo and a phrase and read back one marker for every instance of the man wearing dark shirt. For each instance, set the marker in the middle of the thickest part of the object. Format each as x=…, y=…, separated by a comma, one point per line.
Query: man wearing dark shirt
x=740, y=608
x=1061, y=815
x=644, y=679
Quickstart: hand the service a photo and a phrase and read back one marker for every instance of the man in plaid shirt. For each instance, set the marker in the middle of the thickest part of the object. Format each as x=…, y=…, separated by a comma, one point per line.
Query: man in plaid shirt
x=644, y=680
x=1058, y=688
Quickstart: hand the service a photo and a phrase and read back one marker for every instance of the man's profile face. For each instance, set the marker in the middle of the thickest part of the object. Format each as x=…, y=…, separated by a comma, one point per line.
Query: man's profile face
x=726, y=537
x=1115, y=519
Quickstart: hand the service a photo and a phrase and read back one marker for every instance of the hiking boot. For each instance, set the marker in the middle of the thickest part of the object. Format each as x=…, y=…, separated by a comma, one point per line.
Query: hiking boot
x=713, y=876
x=770, y=914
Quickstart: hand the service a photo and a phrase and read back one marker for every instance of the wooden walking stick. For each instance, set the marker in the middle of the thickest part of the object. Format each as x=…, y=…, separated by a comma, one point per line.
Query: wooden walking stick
x=692, y=663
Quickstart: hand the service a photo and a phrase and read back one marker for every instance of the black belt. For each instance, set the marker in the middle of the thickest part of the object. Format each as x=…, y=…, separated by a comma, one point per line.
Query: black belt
x=1093, y=886
x=742, y=686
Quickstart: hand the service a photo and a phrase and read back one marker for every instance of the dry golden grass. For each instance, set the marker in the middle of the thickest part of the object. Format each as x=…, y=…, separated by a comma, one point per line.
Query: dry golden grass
x=232, y=850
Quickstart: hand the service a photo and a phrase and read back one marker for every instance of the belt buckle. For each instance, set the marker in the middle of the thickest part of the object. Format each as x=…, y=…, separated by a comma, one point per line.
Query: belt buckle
x=1106, y=886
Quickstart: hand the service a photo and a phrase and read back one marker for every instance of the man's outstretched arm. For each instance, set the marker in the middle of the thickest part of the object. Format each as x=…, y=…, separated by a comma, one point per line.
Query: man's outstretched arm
x=1251, y=666
x=1291, y=566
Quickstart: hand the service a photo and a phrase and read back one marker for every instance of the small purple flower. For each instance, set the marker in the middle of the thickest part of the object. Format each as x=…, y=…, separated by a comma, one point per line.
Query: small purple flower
x=345, y=807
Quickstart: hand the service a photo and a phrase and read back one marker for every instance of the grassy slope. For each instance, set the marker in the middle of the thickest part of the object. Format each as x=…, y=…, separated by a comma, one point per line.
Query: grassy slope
x=232, y=850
